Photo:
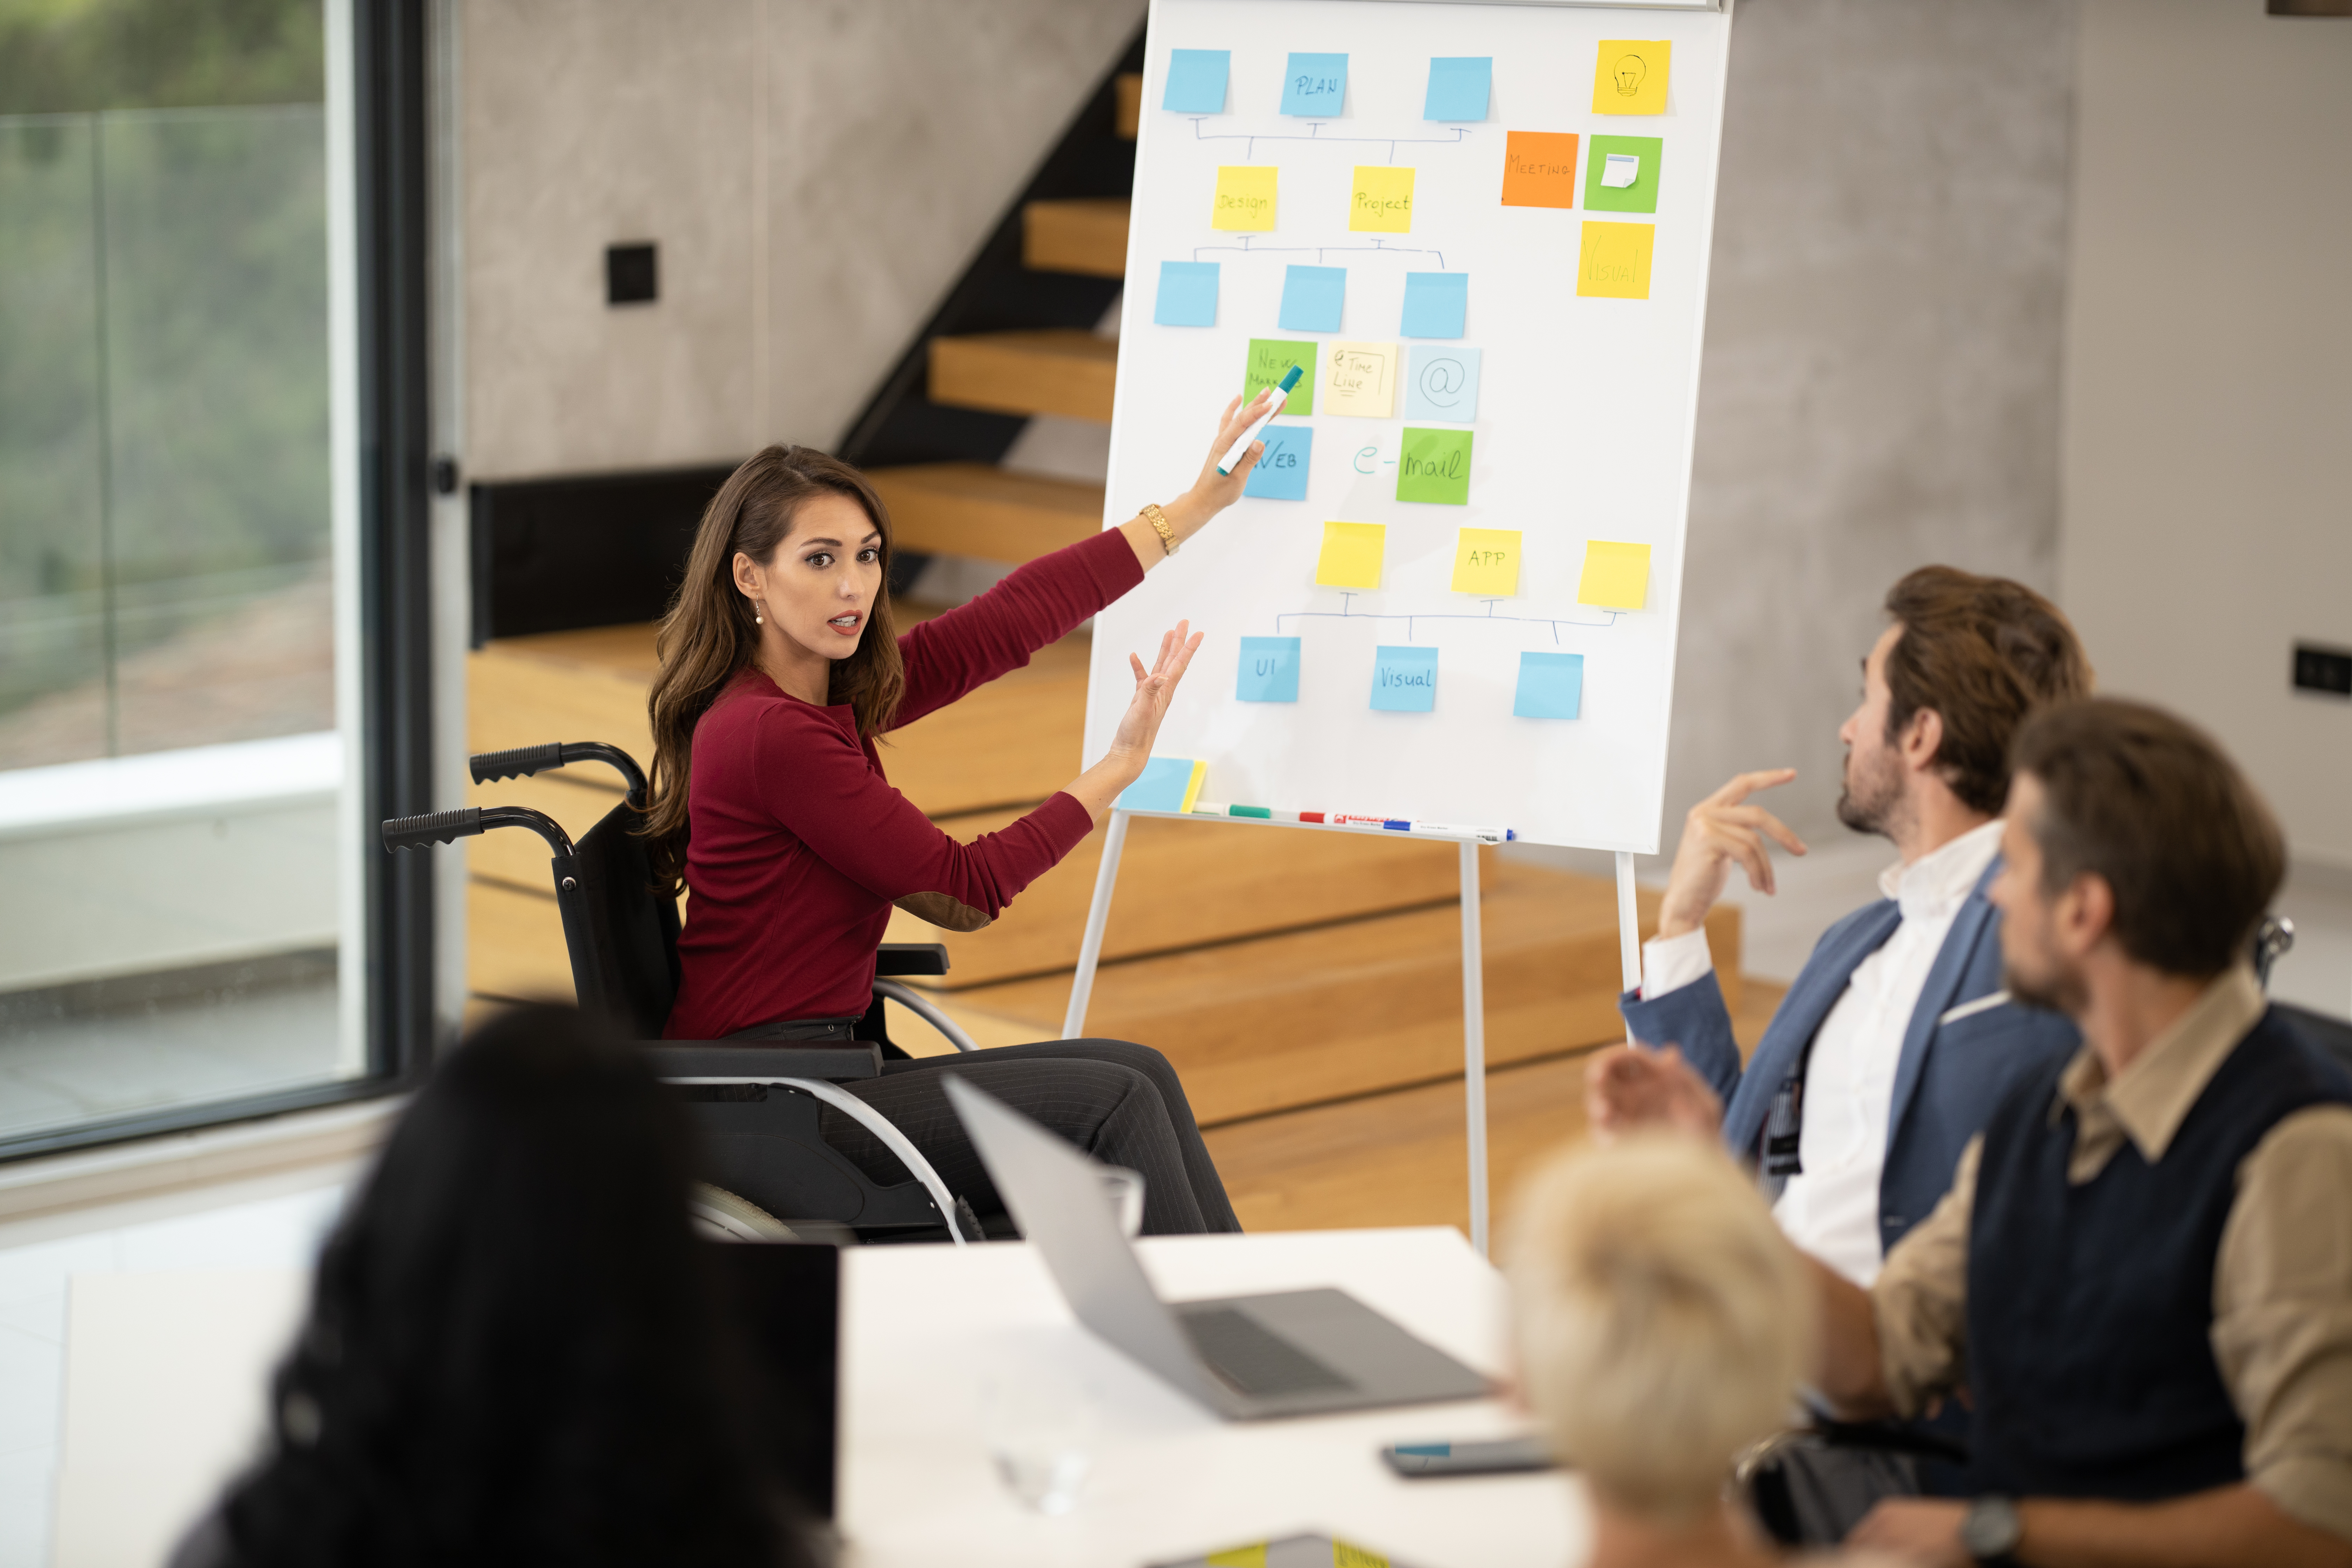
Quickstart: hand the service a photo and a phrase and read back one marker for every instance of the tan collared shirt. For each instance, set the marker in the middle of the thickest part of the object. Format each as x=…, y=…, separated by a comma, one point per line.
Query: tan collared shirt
x=2281, y=1280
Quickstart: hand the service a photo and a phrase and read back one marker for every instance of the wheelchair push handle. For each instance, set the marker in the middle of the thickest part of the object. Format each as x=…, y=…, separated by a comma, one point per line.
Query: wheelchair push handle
x=433, y=827
x=523, y=762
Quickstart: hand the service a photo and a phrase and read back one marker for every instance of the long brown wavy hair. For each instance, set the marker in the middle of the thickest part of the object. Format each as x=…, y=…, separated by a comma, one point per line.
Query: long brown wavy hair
x=708, y=635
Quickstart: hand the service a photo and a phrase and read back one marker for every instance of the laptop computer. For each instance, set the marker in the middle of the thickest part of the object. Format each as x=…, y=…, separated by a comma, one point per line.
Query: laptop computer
x=1294, y=1353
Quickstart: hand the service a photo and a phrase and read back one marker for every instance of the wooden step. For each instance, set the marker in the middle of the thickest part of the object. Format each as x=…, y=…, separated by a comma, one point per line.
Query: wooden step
x=1086, y=236
x=563, y=686
x=1054, y=371
x=972, y=508
x=1130, y=104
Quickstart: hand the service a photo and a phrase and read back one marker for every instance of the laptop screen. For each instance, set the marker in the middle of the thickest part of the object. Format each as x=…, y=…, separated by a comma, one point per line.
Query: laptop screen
x=788, y=1299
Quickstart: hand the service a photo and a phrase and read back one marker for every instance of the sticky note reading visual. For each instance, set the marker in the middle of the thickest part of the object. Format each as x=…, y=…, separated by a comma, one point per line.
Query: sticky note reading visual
x=1244, y=197
x=1539, y=169
x=1196, y=80
x=1629, y=76
x=1404, y=680
x=1623, y=174
x=1281, y=473
x=1441, y=382
x=1459, y=88
x=1168, y=784
x=1616, y=576
x=1381, y=201
x=1188, y=295
x=1351, y=555
x=1314, y=84
x=1311, y=299
x=1434, y=466
x=1435, y=304
x=1616, y=261
x=1552, y=686
x=1359, y=379
x=1486, y=561
x=1270, y=360
x=1269, y=670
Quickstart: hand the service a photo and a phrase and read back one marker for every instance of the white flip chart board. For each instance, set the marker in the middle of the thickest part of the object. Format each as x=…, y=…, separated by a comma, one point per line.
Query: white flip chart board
x=1467, y=656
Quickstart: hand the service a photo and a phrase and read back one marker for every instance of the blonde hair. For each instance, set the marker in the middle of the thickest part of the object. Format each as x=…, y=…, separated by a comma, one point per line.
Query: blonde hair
x=1663, y=1321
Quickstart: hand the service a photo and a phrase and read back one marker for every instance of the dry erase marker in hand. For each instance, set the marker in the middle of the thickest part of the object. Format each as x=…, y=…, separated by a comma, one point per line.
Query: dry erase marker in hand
x=1231, y=459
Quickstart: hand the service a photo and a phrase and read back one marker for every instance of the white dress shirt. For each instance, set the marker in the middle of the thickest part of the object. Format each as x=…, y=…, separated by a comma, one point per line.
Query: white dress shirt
x=1831, y=1209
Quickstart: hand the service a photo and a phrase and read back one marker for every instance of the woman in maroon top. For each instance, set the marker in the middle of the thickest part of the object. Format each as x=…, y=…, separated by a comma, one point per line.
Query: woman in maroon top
x=779, y=668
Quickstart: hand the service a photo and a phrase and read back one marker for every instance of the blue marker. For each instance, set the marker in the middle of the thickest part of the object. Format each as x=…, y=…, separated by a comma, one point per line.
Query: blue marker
x=1226, y=464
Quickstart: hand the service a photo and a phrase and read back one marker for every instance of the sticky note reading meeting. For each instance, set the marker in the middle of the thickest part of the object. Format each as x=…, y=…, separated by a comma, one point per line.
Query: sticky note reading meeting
x=1487, y=562
x=1244, y=197
x=1351, y=555
x=1382, y=200
x=1404, y=680
x=1269, y=360
x=1539, y=169
x=1269, y=670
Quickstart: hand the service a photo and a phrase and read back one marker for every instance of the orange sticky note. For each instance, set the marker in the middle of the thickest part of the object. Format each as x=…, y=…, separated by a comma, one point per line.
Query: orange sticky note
x=1616, y=261
x=1539, y=169
x=1629, y=76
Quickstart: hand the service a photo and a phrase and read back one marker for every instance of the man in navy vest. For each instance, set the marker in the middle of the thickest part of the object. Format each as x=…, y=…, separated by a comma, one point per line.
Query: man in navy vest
x=2141, y=1279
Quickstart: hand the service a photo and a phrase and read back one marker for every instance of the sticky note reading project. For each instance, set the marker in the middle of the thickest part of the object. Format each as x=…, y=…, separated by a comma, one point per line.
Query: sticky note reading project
x=1629, y=76
x=1314, y=84
x=1404, y=680
x=1539, y=169
x=1434, y=466
x=1169, y=783
x=1359, y=379
x=1351, y=555
x=1616, y=261
x=1196, y=80
x=1441, y=382
x=1435, y=304
x=1616, y=576
x=1382, y=200
x=1269, y=359
x=1486, y=561
x=1623, y=174
x=1269, y=670
x=1311, y=299
x=1281, y=472
x=1552, y=686
x=1459, y=88
x=1244, y=197
x=1188, y=295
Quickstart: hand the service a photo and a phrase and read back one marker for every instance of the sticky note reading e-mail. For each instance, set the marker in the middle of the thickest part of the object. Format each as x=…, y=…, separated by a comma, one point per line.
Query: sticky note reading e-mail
x=1404, y=680
x=1433, y=465
x=1244, y=197
x=1270, y=671
x=1169, y=783
x=1616, y=576
x=1351, y=555
x=1486, y=561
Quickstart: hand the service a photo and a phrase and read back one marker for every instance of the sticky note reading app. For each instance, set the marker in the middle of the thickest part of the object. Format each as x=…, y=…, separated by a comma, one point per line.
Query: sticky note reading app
x=1434, y=466
x=1281, y=472
x=1552, y=686
x=1486, y=561
x=1244, y=197
x=1616, y=576
x=1351, y=555
x=1404, y=680
x=1629, y=76
x=1539, y=169
x=1270, y=360
x=1614, y=263
x=1382, y=200
x=1270, y=671
x=1359, y=379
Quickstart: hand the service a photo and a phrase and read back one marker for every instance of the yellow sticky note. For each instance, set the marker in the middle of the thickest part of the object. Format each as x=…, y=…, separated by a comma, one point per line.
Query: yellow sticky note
x=1616, y=576
x=1238, y=1557
x=1616, y=261
x=1359, y=379
x=1244, y=197
x=1382, y=200
x=1351, y=555
x=1630, y=76
x=1486, y=561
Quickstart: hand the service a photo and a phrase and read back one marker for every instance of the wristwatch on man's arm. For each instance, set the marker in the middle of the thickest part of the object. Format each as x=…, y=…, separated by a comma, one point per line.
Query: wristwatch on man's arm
x=1990, y=1530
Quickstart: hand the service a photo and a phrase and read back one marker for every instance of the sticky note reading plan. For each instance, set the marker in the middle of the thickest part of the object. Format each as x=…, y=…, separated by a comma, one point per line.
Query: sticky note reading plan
x=1459, y=88
x=1270, y=360
x=1244, y=197
x=1629, y=76
x=1188, y=295
x=1314, y=84
x=1616, y=261
x=1616, y=576
x=1311, y=299
x=1552, y=686
x=1434, y=467
x=1281, y=473
x=1539, y=169
x=1435, y=304
x=1359, y=379
x=1404, y=680
x=1269, y=670
x=1486, y=561
x=1623, y=174
x=1196, y=80
x=1351, y=555
x=1382, y=200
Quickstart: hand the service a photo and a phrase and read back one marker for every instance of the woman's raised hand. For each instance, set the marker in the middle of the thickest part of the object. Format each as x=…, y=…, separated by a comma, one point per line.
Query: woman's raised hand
x=1139, y=726
x=1221, y=490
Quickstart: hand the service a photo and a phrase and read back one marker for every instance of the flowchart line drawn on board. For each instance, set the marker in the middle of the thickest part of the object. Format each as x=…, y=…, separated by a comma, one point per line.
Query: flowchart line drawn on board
x=1319, y=251
x=1346, y=612
x=1460, y=135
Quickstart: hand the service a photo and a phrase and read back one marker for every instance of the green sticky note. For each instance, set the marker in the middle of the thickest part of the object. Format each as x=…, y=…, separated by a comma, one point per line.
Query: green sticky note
x=1434, y=467
x=1270, y=360
x=1621, y=174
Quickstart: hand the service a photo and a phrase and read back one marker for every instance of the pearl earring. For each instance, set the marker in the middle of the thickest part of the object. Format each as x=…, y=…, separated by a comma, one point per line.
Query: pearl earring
x=758, y=619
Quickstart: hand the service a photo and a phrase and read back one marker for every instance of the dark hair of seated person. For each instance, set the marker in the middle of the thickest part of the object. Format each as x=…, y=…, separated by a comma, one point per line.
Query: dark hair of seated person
x=517, y=1353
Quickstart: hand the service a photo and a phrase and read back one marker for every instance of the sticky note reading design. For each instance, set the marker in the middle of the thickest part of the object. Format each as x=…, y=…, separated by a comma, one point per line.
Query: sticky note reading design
x=1616, y=261
x=1404, y=680
x=1486, y=561
x=1616, y=576
x=1434, y=466
x=1281, y=473
x=1351, y=555
x=1629, y=76
x=1188, y=295
x=1623, y=174
x=1441, y=382
x=1359, y=379
x=1311, y=299
x=1269, y=359
x=1314, y=84
x=1459, y=88
x=1244, y=197
x=1269, y=670
x=1196, y=80
x=1382, y=200
x=1435, y=304
x=1552, y=686
x=1168, y=784
x=1539, y=169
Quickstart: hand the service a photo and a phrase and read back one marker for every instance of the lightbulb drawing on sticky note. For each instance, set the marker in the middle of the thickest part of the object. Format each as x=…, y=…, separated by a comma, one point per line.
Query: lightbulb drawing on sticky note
x=1244, y=197
x=1620, y=169
x=1486, y=561
x=1351, y=555
x=1616, y=576
x=1630, y=76
x=1359, y=379
x=1381, y=200
x=1625, y=75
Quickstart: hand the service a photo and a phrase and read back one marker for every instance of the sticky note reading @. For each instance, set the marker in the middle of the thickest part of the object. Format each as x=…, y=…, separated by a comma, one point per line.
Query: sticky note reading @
x=1382, y=200
x=1311, y=299
x=1616, y=576
x=1359, y=379
x=1486, y=561
x=1629, y=76
x=1244, y=197
x=1435, y=304
x=1351, y=555
x=1169, y=783
x=1621, y=175
x=1269, y=670
x=1270, y=360
x=1196, y=80
x=1441, y=382
x=1404, y=680
x=1459, y=88
x=1552, y=686
x=1188, y=295
x=1281, y=472
x=1434, y=466
x=1616, y=261
x=1314, y=84
x=1539, y=169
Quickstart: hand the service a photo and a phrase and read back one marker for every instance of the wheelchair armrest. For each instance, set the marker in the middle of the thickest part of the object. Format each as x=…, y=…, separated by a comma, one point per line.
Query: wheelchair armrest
x=911, y=958
x=765, y=1064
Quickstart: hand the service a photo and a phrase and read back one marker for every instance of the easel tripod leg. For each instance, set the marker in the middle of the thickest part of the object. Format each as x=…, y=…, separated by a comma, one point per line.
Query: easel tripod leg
x=1474, y=1044
x=1082, y=983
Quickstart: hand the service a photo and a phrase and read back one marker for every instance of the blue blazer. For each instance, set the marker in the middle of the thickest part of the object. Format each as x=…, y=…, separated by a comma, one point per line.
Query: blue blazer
x=1950, y=1078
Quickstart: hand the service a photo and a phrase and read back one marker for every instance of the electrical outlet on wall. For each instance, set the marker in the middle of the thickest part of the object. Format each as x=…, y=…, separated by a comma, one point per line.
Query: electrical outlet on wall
x=2327, y=670
x=631, y=274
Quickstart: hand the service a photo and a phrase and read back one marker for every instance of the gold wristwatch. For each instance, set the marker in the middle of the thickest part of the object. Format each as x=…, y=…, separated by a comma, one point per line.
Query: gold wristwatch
x=1159, y=521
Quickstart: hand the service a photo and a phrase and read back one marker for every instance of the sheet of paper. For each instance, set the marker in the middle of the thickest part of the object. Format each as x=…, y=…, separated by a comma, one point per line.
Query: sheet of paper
x=1359, y=379
x=1629, y=76
x=1351, y=555
x=1616, y=576
x=1487, y=562
x=1435, y=304
x=1269, y=359
x=1244, y=197
x=1441, y=382
x=1196, y=80
x=1539, y=169
x=1552, y=686
x=1382, y=200
x=1459, y=88
x=1188, y=295
x=1314, y=84
x=1404, y=680
x=1622, y=169
x=1168, y=784
x=1434, y=466
x=1312, y=297
x=1616, y=261
x=1281, y=473
x=1621, y=174
x=1269, y=670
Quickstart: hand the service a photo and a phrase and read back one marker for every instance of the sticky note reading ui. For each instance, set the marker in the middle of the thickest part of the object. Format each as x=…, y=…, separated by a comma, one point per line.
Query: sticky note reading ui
x=1486, y=561
x=1311, y=298
x=1196, y=80
x=1434, y=466
x=1539, y=169
x=1188, y=294
x=1168, y=784
x=1281, y=472
x=1351, y=555
x=1381, y=201
x=1359, y=379
x=1270, y=360
x=1552, y=686
x=1616, y=261
x=1244, y=197
x=1623, y=174
x=1441, y=382
x=1269, y=670
x=1459, y=88
x=1404, y=680
x=1616, y=576
x=1629, y=76
x=1314, y=84
x=1435, y=304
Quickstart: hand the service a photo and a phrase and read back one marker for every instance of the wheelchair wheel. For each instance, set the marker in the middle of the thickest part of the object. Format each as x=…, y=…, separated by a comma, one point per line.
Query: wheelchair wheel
x=723, y=1216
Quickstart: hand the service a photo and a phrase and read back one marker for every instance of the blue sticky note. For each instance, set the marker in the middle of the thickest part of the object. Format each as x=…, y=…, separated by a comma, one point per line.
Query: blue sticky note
x=1269, y=670
x=1552, y=686
x=1168, y=784
x=1188, y=294
x=1459, y=88
x=1314, y=84
x=1311, y=298
x=1196, y=81
x=1441, y=382
x=1435, y=304
x=1281, y=473
x=1404, y=680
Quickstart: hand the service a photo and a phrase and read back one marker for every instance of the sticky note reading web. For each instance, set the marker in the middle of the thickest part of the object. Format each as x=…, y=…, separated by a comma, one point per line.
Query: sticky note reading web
x=1381, y=201
x=1552, y=686
x=1404, y=680
x=1188, y=295
x=1622, y=174
x=1351, y=555
x=1359, y=379
x=1616, y=576
x=1459, y=88
x=1311, y=299
x=1169, y=783
x=1539, y=169
x=1441, y=382
x=1281, y=473
x=1629, y=76
x=1614, y=263
x=1434, y=466
x=1244, y=197
x=1486, y=561
x=1314, y=84
x=1269, y=360
x=1436, y=304
x=1196, y=80
x=1269, y=670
